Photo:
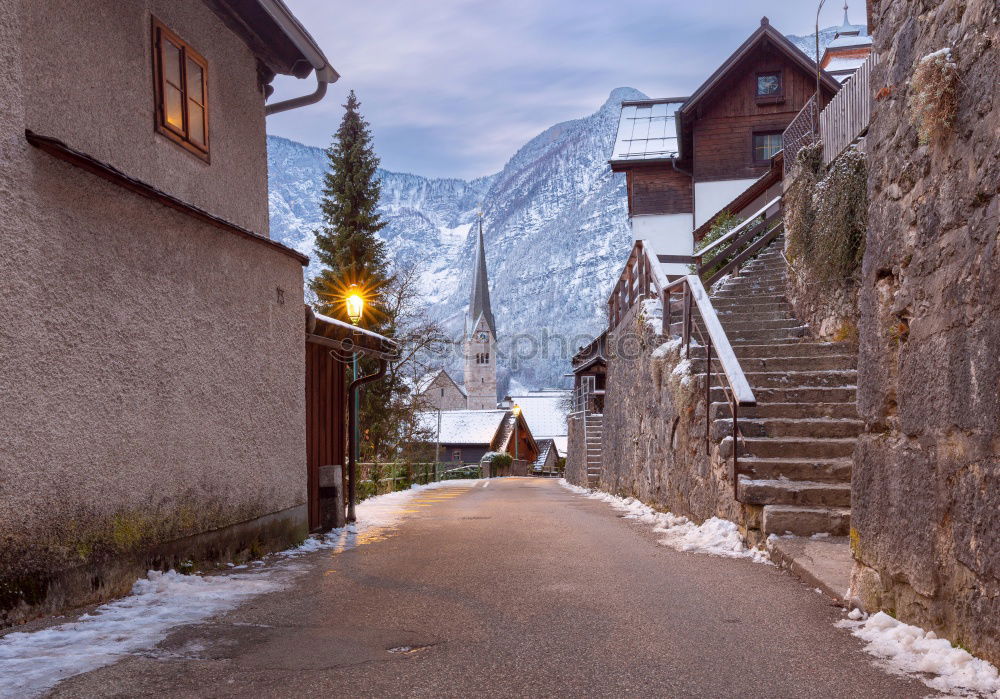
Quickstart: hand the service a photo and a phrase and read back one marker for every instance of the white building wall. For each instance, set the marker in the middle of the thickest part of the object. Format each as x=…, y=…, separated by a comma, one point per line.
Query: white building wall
x=668, y=234
x=710, y=197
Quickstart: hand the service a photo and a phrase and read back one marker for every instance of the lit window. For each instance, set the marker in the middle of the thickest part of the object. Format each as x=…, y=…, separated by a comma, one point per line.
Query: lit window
x=181, y=79
x=765, y=145
x=769, y=84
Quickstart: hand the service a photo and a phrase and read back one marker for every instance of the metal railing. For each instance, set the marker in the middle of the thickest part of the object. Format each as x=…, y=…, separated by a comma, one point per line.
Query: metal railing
x=735, y=386
x=800, y=132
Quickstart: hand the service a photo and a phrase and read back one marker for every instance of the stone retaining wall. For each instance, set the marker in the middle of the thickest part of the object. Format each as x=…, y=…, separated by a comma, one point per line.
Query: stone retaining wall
x=926, y=495
x=654, y=425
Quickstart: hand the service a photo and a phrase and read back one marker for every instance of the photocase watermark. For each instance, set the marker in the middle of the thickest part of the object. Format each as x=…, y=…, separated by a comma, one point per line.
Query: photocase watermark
x=528, y=348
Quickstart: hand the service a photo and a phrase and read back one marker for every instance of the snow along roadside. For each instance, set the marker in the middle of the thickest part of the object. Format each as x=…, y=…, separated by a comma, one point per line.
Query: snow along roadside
x=716, y=537
x=34, y=662
x=902, y=649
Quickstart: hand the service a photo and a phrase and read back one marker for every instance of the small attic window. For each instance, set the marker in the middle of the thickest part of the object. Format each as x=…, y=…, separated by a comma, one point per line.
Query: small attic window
x=181, y=83
x=769, y=86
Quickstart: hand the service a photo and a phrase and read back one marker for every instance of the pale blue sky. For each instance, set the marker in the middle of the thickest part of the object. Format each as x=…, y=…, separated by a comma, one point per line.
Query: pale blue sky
x=453, y=87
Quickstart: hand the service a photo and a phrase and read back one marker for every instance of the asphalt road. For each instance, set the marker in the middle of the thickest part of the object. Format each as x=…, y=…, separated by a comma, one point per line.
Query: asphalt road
x=519, y=589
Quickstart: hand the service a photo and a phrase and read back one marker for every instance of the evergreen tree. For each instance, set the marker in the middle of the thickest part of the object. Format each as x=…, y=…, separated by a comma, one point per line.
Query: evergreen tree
x=348, y=245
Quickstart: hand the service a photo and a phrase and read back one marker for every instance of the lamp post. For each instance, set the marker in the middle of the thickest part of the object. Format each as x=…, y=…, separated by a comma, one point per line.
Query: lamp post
x=516, y=410
x=355, y=305
x=817, y=106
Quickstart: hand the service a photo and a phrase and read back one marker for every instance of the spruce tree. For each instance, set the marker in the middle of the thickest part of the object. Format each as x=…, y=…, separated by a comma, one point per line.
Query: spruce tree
x=347, y=245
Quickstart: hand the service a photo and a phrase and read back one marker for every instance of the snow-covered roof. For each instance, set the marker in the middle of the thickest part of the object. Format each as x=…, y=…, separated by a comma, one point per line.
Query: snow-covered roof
x=424, y=382
x=646, y=130
x=844, y=63
x=848, y=41
x=463, y=426
x=545, y=412
x=353, y=328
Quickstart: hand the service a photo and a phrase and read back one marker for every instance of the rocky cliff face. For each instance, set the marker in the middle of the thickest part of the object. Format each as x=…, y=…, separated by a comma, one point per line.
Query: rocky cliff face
x=926, y=488
x=555, y=224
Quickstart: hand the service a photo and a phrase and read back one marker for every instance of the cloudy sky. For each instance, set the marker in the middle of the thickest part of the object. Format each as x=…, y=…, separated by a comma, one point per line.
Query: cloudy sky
x=453, y=87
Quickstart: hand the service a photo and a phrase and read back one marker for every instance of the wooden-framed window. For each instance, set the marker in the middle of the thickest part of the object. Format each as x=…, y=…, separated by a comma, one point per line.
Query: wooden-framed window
x=456, y=455
x=180, y=77
x=769, y=86
x=765, y=145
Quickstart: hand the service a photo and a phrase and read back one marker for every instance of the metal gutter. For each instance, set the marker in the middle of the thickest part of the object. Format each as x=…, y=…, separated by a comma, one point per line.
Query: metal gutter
x=293, y=29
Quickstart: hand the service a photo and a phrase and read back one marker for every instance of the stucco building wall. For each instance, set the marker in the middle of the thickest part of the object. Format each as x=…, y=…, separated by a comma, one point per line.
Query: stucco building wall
x=151, y=366
x=926, y=485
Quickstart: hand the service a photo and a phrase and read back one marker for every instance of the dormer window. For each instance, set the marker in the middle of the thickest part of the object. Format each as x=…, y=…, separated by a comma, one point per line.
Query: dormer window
x=769, y=87
x=181, y=82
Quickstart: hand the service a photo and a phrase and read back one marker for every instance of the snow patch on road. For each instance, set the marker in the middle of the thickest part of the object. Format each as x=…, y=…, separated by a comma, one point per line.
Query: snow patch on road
x=34, y=662
x=910, y=650
x=715, y=536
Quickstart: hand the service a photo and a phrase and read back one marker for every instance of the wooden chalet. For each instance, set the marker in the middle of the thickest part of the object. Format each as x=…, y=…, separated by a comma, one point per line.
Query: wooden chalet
x=686, y=158
x=465, y=436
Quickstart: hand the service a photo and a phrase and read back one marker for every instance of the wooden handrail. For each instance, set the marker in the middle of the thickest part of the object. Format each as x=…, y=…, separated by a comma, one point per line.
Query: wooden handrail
x=760, y=212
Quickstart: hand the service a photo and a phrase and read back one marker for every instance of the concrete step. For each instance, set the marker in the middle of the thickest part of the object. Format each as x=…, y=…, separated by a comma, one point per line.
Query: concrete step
x=719, y=411
x=738, y=326
x=793, y=348
x=793, y=395
x=801, y=493
x=749, y=304
x=819, y=470
x=738, y=314
x=792, y=447
x=782, y=520
x=770, y=364
x=781, y=379
x=785, y=427
x=756, y=337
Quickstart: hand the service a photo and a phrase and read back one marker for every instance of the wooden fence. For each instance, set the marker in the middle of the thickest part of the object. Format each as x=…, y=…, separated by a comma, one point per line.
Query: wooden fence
x=847, y=115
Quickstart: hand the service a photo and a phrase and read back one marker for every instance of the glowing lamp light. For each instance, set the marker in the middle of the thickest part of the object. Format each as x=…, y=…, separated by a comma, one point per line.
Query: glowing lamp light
x=516, y=410
x=355, y=303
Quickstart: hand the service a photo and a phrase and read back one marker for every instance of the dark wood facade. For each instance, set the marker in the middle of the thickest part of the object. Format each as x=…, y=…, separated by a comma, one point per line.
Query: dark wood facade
x=723, y=124
x=326, y=420
x=658, y=189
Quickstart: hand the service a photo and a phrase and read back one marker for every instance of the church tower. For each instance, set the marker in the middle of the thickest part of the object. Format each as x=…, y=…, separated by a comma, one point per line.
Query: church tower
x=479, y=346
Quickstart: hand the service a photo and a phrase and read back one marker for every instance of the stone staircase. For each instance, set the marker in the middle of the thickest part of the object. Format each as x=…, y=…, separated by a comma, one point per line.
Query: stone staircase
x=797, y=443
x=593, y=431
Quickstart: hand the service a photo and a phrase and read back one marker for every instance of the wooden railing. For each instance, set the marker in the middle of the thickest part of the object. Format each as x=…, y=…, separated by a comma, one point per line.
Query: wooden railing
x=849, y=112
x=642, y=278
x=840, y=122
x=735, y=387
x=741, y=244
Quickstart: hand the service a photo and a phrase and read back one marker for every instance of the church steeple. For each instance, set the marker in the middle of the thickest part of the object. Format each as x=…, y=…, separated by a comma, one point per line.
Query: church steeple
x=479, y=301
x=480, y=337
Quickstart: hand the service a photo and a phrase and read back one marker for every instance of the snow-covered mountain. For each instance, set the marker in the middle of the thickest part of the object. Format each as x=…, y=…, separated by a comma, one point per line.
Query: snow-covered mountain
x=555, y=225
x=807, y=42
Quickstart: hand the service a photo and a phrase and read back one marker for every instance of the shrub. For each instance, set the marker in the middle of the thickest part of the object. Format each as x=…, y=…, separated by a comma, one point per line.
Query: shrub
x=841, y=205
x=800, y=214
x=934, y=96
x=723, y=224
x=501, y=460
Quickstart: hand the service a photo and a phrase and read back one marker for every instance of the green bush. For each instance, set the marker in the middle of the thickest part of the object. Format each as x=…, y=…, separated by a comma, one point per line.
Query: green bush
x=501, y=460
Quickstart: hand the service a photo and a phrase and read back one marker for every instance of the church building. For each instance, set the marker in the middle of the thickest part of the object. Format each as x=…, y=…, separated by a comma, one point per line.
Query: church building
x=479, y=345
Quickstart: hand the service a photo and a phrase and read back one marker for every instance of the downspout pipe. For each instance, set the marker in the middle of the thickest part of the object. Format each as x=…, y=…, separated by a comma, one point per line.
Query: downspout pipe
x=325, y=74
x=352, y=419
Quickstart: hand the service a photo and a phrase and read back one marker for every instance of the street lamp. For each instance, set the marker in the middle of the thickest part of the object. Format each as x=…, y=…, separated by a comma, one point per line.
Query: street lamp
x=355, y=304
x=516, y=410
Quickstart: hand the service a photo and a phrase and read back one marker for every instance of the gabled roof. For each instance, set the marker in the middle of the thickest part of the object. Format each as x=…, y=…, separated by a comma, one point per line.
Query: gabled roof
x=427, y=380
x=479, y=427
x=545, y=412
x=646, y=131
x=764, y=33
x=275, y=36
x=479, y=302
